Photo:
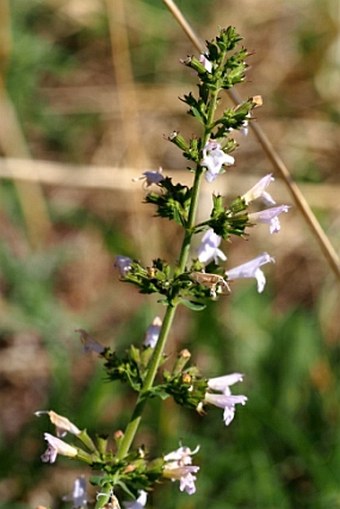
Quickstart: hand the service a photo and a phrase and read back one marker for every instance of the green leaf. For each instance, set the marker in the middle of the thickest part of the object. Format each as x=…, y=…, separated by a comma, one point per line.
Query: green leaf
x=194, y=306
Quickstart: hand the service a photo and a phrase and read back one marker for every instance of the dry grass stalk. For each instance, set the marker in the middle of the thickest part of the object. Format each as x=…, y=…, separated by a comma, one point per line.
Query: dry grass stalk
x=13, y=144
x=120, y=180
x=134, y=152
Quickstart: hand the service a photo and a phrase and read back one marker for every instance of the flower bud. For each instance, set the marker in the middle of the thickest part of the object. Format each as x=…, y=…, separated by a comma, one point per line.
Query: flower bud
x=181, y=361
x=178, y=140
x=195, y=64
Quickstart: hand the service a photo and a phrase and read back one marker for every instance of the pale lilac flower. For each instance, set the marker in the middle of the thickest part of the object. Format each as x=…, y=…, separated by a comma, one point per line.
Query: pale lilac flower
x=123, y=264
x=269, y=216
x=185, y=476
x=90, y=344
x=139, y=503
x=182, y=455
x=62, y=424
x=55, y=447
x=259, y=191
x=223, y=383
x=178, y=467
x=152, y=333
x=214, y=158
x=208, y=249
x=251, y=269
x=227, y=403
x=225, y=400
x=79, y=494
x=206, y=63
x=151, y=177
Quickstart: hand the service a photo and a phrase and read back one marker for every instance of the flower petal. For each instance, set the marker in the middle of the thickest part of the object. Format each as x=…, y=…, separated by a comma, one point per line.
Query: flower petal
x=258, y=191
x=214, y=158
x=208, y=249
x=152, y=333
x=251, y=269
x=222, y=383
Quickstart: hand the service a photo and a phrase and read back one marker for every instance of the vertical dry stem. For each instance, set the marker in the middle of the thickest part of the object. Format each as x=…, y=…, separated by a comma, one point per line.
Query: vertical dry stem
x=13, y=144
x=135, y=154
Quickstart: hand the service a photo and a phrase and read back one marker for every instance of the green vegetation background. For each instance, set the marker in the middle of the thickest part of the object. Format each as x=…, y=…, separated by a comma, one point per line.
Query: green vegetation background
x=283, y=449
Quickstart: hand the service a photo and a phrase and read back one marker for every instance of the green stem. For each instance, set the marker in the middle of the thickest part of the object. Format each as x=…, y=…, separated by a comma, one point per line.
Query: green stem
x=169, y=316
x=132, y=427
x=196, y=190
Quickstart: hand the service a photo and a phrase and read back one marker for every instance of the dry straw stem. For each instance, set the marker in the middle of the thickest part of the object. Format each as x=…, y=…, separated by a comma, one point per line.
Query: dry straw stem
x=13, y=144
x=281, y=169
x=126, y=92
x=120, y=180
x=134, y=151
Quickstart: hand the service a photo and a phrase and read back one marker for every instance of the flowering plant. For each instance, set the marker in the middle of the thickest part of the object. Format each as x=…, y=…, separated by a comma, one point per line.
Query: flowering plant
x=195, y=279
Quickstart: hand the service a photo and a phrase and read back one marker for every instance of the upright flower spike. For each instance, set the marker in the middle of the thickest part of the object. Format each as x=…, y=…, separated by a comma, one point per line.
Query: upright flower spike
x=208, y=249
x=123, y=264
x=56, y=446
x=139, y=503
x=213, y=159
x=225, y=399
x=62, y=424
x=178, y=467
x=259, y=191
x=152, y=333
x=251, y=269
x=269, y=216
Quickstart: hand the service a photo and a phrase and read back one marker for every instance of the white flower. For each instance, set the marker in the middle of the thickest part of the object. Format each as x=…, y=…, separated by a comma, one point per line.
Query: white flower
x=152, y=333
x=208, y=249
x=251, y=269
x=223, y=383
x=123, y=264
x=225, y=400
x=55, y=447
x=151, y=177
x=269, y=216
x=178, y=467
x=206, y=63
x=62, y=424
x=79, y=494
x=245, y=127
x=182, y=455
x=259, y=191
x=139, y=503
x=214, y=158
x=227, y=403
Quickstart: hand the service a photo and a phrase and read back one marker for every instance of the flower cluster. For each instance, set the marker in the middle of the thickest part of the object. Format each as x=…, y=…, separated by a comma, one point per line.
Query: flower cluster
x=209, y=250
x=178, y=467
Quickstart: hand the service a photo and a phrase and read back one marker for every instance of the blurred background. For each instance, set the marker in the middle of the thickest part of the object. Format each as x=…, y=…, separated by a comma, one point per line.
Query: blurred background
x=88, y=91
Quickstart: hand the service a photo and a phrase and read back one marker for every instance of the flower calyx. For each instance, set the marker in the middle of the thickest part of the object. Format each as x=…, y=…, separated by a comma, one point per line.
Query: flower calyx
x=172, y=202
